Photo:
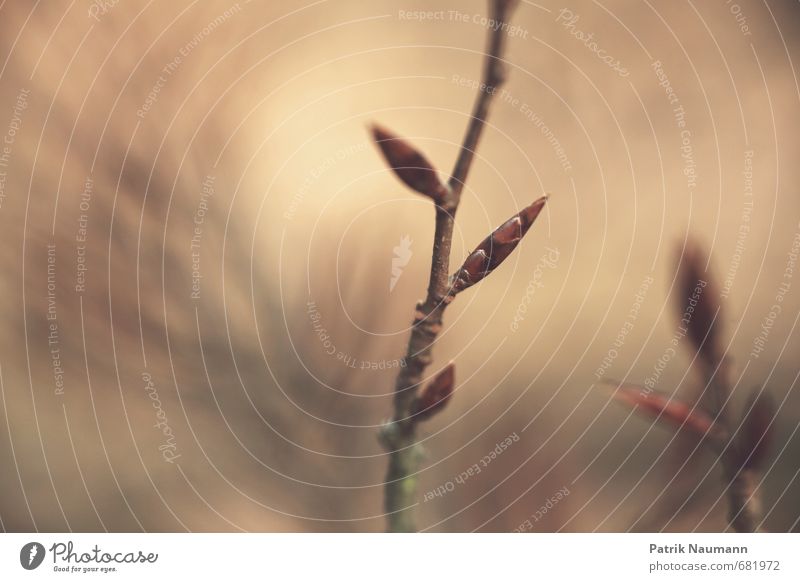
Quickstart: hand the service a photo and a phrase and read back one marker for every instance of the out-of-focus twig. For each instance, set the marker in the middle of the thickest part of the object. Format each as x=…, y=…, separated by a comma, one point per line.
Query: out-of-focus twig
x=740, y=449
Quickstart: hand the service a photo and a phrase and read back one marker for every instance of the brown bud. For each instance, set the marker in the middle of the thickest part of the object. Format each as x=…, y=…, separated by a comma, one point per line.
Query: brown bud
x=756, y=432
x=494, y=249
x=699, y=304
x=657, y=405
x=411, y=167
x=436, y=394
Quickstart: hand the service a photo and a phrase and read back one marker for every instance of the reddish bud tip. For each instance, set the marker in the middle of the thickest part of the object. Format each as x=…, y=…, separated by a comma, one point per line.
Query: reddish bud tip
x=436, y=394
x=411, y=167
x=756, y=433
x=699, y=304
x=657, y=405
x=494, y=249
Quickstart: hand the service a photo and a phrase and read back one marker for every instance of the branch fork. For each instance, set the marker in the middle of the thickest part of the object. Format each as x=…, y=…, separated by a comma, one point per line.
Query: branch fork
x=413, y=404
x=741, y=449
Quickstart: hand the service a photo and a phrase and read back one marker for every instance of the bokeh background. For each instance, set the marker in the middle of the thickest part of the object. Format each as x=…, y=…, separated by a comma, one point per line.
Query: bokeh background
x=225, y=358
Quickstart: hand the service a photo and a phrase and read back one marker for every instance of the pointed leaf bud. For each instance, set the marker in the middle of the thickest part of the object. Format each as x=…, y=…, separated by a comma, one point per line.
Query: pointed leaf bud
x=494, y=249
x=411, y=167
x=756, y=433
x=657, y=405
x=699, y=304
x=436, y=394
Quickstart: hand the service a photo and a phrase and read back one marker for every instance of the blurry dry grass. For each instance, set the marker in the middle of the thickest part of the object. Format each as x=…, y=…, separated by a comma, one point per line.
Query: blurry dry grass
x=267, y=440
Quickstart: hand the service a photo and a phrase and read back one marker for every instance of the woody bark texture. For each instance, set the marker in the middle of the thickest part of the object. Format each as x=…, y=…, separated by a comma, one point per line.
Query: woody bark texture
x=399, y=435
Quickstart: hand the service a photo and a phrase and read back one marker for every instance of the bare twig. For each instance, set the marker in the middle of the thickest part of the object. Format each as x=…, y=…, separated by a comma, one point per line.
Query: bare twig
x=739, y=454
x=494, y=75
x=410, y=406
x=704, y=331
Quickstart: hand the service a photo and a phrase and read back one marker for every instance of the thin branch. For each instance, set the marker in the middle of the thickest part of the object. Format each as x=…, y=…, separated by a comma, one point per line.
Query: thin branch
x=742, y=454
x=494, y=75
x=399, y=434
x=739, y=477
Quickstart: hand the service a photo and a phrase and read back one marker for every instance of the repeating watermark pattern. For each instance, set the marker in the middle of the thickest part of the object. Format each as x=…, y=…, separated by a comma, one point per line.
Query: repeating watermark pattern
x=100, y=8
x=53, y=333
x=172, y=67
x=549, y=260
x=744, y=225
x=317, y=172
x=546, y=507
x=82, y=236
x=627, y=327
x=504, y=96
x=512, y=30
x=680, y=332
x=206, y=192
x=402, y=255
x=679, y=114
x=343, y=357
x=776, y=308
x=10, y=137
x=568, y=19
x=475, y=469
x=739, y=17
x=169, y=448
x=543, y=128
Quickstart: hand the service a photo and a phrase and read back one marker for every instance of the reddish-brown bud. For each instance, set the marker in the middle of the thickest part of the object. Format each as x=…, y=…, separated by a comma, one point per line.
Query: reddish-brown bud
x=411, y=167
x=699, y=304
x=494, y=249
x=436, y=394
x=756, y=432
x=657, y=405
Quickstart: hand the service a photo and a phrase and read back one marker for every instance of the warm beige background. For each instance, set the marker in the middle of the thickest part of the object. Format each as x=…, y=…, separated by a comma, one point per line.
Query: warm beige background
x=273, y=433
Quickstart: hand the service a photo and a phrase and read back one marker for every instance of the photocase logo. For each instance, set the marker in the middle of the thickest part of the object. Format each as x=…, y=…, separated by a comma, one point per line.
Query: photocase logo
x=31, y=555
x=402, y=254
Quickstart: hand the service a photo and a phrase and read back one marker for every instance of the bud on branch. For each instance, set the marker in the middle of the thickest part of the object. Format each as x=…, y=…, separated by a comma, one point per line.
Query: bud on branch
x=659, y=406
x=410, y=403
x=411, y=167
x=700, y=304
x=756, y=433
x=496, y=247
x=436, y=394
